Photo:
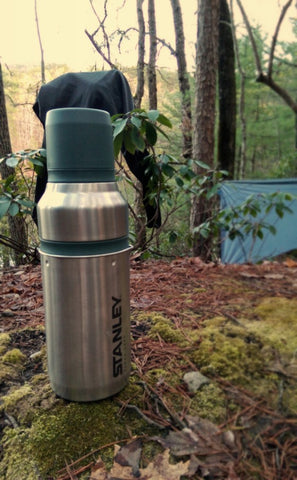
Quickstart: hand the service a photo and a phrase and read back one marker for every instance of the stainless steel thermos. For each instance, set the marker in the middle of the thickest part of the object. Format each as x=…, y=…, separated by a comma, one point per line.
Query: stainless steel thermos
x=84, y=249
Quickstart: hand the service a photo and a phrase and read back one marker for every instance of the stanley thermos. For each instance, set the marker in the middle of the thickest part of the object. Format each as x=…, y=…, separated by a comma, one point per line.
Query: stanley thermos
x=84, y=249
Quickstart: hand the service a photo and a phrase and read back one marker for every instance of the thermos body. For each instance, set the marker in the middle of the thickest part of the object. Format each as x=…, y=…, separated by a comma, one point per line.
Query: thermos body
x=84, y=250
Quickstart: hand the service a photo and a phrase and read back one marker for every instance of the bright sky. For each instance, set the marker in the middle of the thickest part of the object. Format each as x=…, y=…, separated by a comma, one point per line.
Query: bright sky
x=62, y=24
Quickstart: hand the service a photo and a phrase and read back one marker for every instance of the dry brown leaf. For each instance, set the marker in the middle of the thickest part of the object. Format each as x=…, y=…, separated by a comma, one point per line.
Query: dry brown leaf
x=289, y=262
x=98, y=471
x=202, y=438
x=158, y=469
x=161, y=469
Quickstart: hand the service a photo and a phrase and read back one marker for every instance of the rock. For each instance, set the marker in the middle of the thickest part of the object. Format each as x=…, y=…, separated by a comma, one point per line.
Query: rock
x=195, y=380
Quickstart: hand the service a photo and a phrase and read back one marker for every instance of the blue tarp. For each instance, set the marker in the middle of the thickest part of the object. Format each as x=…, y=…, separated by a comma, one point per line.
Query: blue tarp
x=233, y=193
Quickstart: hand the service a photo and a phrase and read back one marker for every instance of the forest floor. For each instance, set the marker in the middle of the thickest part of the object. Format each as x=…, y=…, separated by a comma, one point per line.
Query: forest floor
x=212, y=393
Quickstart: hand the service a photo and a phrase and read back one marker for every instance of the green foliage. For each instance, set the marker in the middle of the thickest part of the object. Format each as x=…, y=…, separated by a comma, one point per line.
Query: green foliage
x=138, y=130
x=14, y=193
x=172, y=180
x=247, y=218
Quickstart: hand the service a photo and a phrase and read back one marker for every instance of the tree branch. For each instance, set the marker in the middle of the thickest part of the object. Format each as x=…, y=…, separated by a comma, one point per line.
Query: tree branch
x=262, y=78
x=275, y=35
x=252, y=38
x=99, y=49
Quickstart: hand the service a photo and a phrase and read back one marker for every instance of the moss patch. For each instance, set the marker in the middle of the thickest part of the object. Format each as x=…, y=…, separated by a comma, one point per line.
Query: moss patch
x=14, y=357
x=56, y=431
x=209, y=402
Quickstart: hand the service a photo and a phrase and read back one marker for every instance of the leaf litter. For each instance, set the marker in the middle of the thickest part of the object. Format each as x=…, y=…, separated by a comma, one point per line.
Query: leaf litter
x=254, y=441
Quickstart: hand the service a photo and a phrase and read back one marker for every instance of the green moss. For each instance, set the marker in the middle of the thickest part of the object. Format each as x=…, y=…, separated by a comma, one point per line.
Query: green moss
x=255, y=353
x=14, y=396
x=17, y=463
x=209, y=402
x=4, y=339
x=54, y=431
x=278, y=323
x=14, y=357
x=165, y=328
x=228, y=351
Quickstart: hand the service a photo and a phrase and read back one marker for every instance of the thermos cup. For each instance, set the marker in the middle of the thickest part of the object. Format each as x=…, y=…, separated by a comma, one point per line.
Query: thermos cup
x=84, y=250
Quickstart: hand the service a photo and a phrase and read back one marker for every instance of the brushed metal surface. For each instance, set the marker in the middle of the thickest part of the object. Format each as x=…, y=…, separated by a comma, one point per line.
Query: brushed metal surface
x=80, y=212
x=87, y=324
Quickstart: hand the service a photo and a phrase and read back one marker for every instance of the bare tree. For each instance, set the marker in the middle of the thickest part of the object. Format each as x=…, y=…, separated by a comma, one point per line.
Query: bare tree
x=141, y=51
x=204, y=113
x=140, y=217
x=183, y=78
x=151, y=69
x=242, y=74
x=17, y=225
x=262, y=76
x=40, y=44
x=102, y=48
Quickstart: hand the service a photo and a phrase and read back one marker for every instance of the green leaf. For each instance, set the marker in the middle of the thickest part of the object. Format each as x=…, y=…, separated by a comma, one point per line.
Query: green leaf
x=137, y=140
x=272, y=229
x=13, y=209
x=4, y=206
x=151, y=133
x=119, y=126
x=129, y=142
x=179, y=181
x=153, y=115
x=202, y=165
x=167, y=169
x=26, y=203
x=12, y=162
x=164, y=120
x=279, y=211
x=117, y=144
x=136, y=122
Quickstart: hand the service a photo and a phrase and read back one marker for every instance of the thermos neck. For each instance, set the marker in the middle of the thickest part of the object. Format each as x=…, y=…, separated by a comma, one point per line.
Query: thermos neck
x=79, y=146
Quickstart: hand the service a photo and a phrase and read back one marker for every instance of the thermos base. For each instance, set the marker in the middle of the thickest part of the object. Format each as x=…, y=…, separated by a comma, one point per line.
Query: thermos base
x=89, y=394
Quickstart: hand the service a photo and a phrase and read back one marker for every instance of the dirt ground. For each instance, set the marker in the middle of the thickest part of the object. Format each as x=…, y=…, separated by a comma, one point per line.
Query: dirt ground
x=177, y=309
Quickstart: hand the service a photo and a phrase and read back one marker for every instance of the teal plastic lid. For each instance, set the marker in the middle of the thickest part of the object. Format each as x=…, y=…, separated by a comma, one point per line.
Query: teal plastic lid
x=79, y=146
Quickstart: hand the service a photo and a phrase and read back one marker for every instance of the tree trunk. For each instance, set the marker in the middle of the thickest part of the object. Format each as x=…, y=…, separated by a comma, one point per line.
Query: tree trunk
x=183, y=79
x=227, y=93
x=242, y=157
x=42, y=64
x=141, y=50
x=17, y=225
x=152, y=77
x=140, y=222
x=204, y=119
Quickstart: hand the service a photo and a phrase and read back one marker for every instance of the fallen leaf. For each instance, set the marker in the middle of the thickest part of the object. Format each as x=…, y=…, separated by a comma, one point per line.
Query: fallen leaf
x=289, y=262
x=98, y=471
x=202, y=438
x=161, y=469
x=129, y=455
x=158, y=469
